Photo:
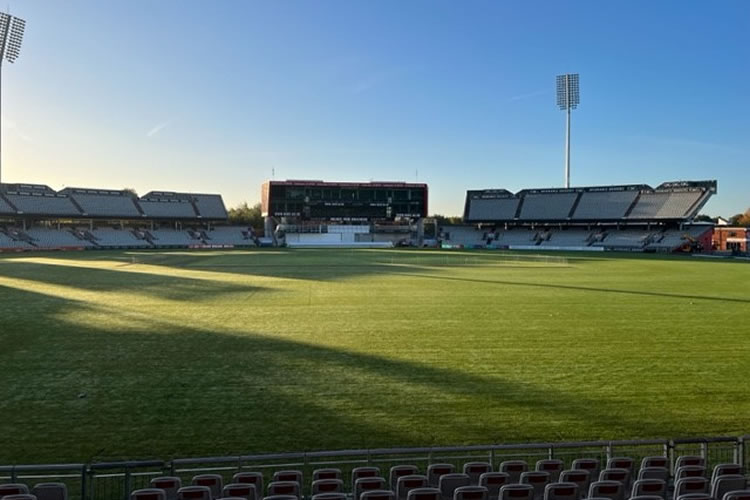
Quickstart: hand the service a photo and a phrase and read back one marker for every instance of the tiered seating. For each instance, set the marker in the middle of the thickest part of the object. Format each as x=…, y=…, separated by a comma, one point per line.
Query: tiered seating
x=626, y=238
x=671, y=200
x=664, y=204
x=619, y=479
x=516, y=236
x=117, y=238
x=5, y=208
x=104, y=203
x=210, y=206
x=675, y=238
x=7, y=241
x=40, y=491
x=568, y=238
x=229, y=235
x=467, y=236
x=56, y=238
x=547, y=206
x=493, y=209
x=167, y=208
x=43, y=204
x=171, y=237
x=595, y=205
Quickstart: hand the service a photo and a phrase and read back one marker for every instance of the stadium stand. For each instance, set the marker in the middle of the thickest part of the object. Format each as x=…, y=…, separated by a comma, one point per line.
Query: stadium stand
x=604, y=204
x=167, y=209
x=9, y=241
x=169, y=237
x=108, y=237
x=104, y=202
x=210, y=206
x=43, y=204
x=5, y=206
x=572, y=484
x=35, y=217
x=41, y=200
x=661, y=204
x=498, y=204
x=56, y=238
x=669, y=201
x=546, y=206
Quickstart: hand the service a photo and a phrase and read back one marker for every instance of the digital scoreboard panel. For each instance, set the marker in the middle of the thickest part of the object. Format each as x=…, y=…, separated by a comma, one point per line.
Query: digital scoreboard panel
x=344, y=201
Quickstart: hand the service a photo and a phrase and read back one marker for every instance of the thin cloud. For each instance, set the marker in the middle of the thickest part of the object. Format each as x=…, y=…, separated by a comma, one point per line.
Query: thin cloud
x=529, y=95
x=156, y=129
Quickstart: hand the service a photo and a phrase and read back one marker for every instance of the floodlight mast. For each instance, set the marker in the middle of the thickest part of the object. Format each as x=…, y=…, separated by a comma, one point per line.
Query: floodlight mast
x=568, y=98
x=11, y=36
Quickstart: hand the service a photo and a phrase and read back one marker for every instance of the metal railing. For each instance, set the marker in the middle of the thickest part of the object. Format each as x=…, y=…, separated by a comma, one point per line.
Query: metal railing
x=115, y=480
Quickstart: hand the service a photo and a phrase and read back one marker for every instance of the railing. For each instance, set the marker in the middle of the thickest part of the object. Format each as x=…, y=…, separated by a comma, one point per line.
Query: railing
x=115, y=480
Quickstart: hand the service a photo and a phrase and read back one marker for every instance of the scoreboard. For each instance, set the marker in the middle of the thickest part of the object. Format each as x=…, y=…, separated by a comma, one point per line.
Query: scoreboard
x=344, y=201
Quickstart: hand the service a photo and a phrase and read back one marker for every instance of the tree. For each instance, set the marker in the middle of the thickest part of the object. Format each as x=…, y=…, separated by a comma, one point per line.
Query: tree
x=740, y=220
x=703, y=218
x=245, y=215
x=131, y=192
x=443, y=220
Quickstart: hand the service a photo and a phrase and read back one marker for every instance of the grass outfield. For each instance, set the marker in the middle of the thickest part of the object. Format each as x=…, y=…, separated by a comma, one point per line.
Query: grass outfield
x=110, y=355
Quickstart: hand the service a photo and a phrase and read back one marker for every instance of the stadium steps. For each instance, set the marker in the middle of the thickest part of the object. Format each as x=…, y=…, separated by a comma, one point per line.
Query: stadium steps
x=575, y=205
x=86, y=235
x=145, y=235
x=195, y=207
x=138, y=207
x=10, y=204
x=83, y=236
x=20, y=236
x=632, y=206
x=77, y=205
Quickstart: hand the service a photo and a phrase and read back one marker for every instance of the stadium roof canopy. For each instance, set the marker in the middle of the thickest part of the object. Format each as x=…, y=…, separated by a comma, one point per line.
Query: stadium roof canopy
x=633, y=203
x=41, y=201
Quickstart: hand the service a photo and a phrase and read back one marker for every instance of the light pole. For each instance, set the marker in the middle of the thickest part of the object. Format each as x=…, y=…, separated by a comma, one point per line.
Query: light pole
x=11, y=35
x=568, y=97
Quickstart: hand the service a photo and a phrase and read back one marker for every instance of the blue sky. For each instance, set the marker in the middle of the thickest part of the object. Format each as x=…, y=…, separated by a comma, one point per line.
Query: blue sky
x=215, y=96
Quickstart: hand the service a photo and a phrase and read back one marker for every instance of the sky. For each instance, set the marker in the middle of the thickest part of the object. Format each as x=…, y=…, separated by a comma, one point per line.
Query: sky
x=220, y=96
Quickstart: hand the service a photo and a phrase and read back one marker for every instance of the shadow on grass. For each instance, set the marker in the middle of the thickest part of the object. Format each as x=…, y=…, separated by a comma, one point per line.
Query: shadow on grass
x=79, y=392
x=179, y=288
x=333, y=264
x=582, y=288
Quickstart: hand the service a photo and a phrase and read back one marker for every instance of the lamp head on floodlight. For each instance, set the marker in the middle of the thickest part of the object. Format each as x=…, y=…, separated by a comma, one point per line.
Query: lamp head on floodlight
x=11, y=36
x=568, y=96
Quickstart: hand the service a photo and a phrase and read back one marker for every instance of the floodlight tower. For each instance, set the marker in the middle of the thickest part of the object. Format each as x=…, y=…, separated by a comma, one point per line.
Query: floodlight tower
x=11, y=35
x=568, y=98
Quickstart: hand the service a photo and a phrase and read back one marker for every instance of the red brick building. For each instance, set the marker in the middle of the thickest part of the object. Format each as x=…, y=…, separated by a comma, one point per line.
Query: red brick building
x=731, y=239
